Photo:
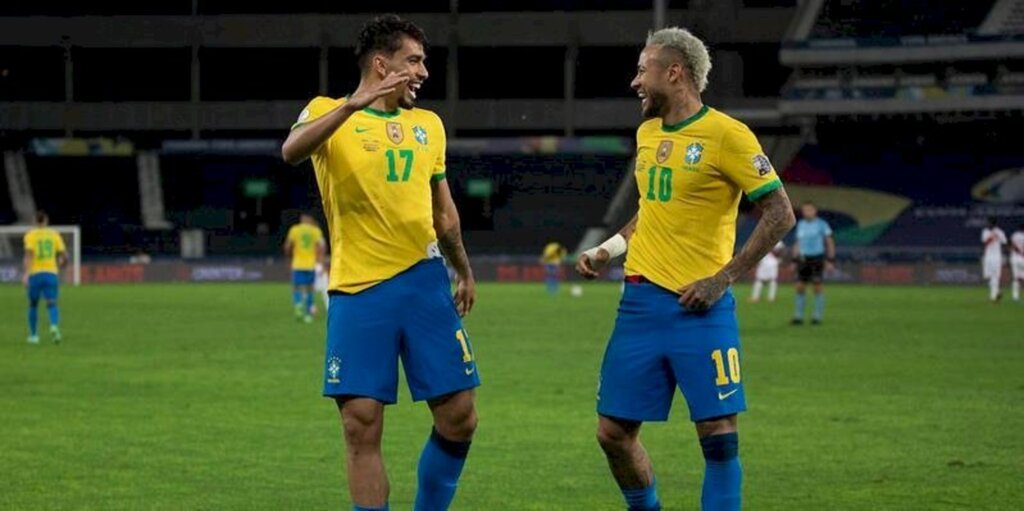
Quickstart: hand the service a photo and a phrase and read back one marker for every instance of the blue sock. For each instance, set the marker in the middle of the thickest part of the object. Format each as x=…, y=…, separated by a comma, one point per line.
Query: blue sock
x=643, y=499
x=309, y=302
x=360, y=508
x=33, y=318
x=819, y=306
x=438, y=472
x=722, y=473
x=51, y=310
x=296, y=298
x=801, y=302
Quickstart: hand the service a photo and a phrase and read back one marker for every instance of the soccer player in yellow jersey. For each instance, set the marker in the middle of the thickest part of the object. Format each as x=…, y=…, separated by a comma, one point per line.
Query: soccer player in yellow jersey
x=551, y=258
x=305, y=245
x=380, y=166
x=45, y=254
x=676, y=324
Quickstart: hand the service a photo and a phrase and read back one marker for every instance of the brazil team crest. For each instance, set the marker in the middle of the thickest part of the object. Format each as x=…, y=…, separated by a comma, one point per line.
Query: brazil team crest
x=395, y=133
x=333, y=370
x=693, y=153
x=664, y=151
x=420, y=134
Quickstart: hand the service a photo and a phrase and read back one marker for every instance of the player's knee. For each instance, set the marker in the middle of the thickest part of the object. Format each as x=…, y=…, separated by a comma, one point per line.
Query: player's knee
x=614, y=436
x=719, y=448
x=363, y=426
x=51, y=303
x=717, y=426
x=458, y=427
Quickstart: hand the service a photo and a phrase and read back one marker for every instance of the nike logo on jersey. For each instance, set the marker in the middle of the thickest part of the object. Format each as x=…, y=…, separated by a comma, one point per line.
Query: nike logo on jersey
x=722, y=397
x=470, y=370
x=360, y=129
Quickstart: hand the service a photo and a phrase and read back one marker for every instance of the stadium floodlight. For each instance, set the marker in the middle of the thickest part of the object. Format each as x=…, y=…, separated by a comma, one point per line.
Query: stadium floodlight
x=11, y=245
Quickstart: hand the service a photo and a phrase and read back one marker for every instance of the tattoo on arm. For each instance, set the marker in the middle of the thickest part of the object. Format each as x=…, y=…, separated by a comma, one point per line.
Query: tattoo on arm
x=450, y=242
x=776, y=220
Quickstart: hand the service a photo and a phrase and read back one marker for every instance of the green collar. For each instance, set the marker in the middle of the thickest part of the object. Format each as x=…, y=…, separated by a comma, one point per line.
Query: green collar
x=382, y=114
x=671, y=128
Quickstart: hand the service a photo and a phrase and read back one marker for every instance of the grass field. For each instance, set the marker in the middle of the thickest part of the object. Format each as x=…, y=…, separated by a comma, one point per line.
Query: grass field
x=207, y=397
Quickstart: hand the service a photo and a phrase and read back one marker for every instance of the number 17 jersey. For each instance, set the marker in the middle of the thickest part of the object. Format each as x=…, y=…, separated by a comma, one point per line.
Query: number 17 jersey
x=374, y=175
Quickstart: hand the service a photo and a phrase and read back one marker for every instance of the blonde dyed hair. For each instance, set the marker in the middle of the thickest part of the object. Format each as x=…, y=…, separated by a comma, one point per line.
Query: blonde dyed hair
x=695, y=57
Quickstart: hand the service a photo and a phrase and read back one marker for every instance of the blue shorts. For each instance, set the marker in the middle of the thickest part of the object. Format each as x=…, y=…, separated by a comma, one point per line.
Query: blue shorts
x=657, y=345
x=43, y=284
x=303, y=277
x=412, y=316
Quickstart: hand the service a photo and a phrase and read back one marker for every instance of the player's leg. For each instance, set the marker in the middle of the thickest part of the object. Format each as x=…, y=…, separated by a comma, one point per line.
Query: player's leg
x=994, y=276
x=755, y=292
x=819, y=302
x=1017, y=267
x=773, y=286
x=34, y=292
x=307, y=304
x=628, y=460
x=445, y=452
x=551, y=278
x=363, y=423
x=723, y=475
x=361, y=375
x=636, y=386
x=50, y=291
x=706, y=362
x=801, y=298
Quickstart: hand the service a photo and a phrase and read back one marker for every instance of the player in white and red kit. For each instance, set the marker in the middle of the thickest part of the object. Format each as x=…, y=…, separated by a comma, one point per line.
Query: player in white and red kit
x=993, y=238
x=767, y=273
x=1017, y=260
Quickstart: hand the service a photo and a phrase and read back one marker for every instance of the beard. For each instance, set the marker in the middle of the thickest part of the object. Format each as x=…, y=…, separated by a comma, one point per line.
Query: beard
x=657, y=104
x=406, y=102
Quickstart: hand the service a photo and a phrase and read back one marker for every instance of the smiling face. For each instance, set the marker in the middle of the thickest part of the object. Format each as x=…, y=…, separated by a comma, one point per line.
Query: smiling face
x=410, y=58
x=656, y=78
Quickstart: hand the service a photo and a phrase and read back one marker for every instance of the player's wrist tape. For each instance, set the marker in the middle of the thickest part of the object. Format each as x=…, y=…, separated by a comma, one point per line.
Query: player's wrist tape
x=615, y=246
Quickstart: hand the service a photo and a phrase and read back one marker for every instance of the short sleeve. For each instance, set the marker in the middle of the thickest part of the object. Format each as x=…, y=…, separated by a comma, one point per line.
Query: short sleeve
x=826, y=229
x=60, y=244
x=437, y=173
x=315, y=109
x=29, y=240
x=291, y=235
x=744, y=163
x=984, y=236
x=319, y=234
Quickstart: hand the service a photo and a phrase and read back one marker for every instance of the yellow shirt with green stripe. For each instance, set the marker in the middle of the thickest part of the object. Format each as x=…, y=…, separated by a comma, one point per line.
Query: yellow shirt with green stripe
x=374, y=175
x=305, y=240
x=45, y=244
x=690, y=177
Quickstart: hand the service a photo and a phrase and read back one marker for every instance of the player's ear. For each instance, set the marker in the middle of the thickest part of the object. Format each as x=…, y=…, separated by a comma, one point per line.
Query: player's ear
x=379, y=65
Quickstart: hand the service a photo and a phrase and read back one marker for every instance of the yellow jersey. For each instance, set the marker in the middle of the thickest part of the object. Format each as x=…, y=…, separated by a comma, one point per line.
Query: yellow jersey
x=374, y=175
x=553, y=253
x=305, y=239
x=45, y=244
x=690, y=176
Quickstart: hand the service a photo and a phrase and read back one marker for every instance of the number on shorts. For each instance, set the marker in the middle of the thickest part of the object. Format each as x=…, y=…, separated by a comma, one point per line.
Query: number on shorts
x=733, y=356
x=467, y=357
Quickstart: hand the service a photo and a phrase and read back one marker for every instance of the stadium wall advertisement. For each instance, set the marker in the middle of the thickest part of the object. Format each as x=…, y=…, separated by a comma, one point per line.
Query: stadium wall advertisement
x=487, y=270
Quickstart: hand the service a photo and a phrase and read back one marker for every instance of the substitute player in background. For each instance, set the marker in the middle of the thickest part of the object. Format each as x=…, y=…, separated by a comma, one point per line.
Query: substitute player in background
x=305, y=245
x=993, y=238
x=1017, y=260
x=676, y=323
x=380, y=166
x=767, y=272
x=45, y=254
x=551, y=258
x=815, y=254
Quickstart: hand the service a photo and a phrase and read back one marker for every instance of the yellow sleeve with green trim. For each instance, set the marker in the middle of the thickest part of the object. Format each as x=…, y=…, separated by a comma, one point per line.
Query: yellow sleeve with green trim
x=315, y=109
x=440, y=165
x=744, y=163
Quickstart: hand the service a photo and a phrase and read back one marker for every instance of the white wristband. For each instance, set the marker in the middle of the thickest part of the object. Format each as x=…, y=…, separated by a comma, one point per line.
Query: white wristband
x=615, y=246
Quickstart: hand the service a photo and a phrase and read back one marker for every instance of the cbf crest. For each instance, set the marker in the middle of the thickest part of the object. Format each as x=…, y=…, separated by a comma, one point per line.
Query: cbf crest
x=664, y=151
x=333, y=370
x=693, y=153
x=419, y=134
x=395, y=133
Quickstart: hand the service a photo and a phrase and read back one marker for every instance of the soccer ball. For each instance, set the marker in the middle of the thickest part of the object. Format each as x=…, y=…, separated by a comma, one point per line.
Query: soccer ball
x=576, y=290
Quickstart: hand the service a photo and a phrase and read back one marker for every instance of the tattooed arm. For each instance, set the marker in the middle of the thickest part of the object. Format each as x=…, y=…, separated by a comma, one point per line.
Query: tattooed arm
x=449, y=239
x=776, y=220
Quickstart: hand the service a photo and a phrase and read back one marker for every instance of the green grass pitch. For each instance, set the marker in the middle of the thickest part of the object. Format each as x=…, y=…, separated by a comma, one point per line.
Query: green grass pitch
x=207, y=397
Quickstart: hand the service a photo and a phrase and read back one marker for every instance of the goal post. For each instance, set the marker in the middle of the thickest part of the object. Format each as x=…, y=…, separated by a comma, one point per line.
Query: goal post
x=12, y=250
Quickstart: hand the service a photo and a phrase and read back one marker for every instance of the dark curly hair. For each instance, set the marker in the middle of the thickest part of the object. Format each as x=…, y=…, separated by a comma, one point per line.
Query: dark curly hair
x=384, y=34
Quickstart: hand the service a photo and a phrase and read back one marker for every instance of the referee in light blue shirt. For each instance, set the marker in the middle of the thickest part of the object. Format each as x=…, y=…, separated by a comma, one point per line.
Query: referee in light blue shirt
x=815, y=253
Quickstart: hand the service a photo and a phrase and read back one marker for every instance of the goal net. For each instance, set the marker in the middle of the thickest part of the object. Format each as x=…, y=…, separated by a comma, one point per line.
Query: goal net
x=12, y=252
